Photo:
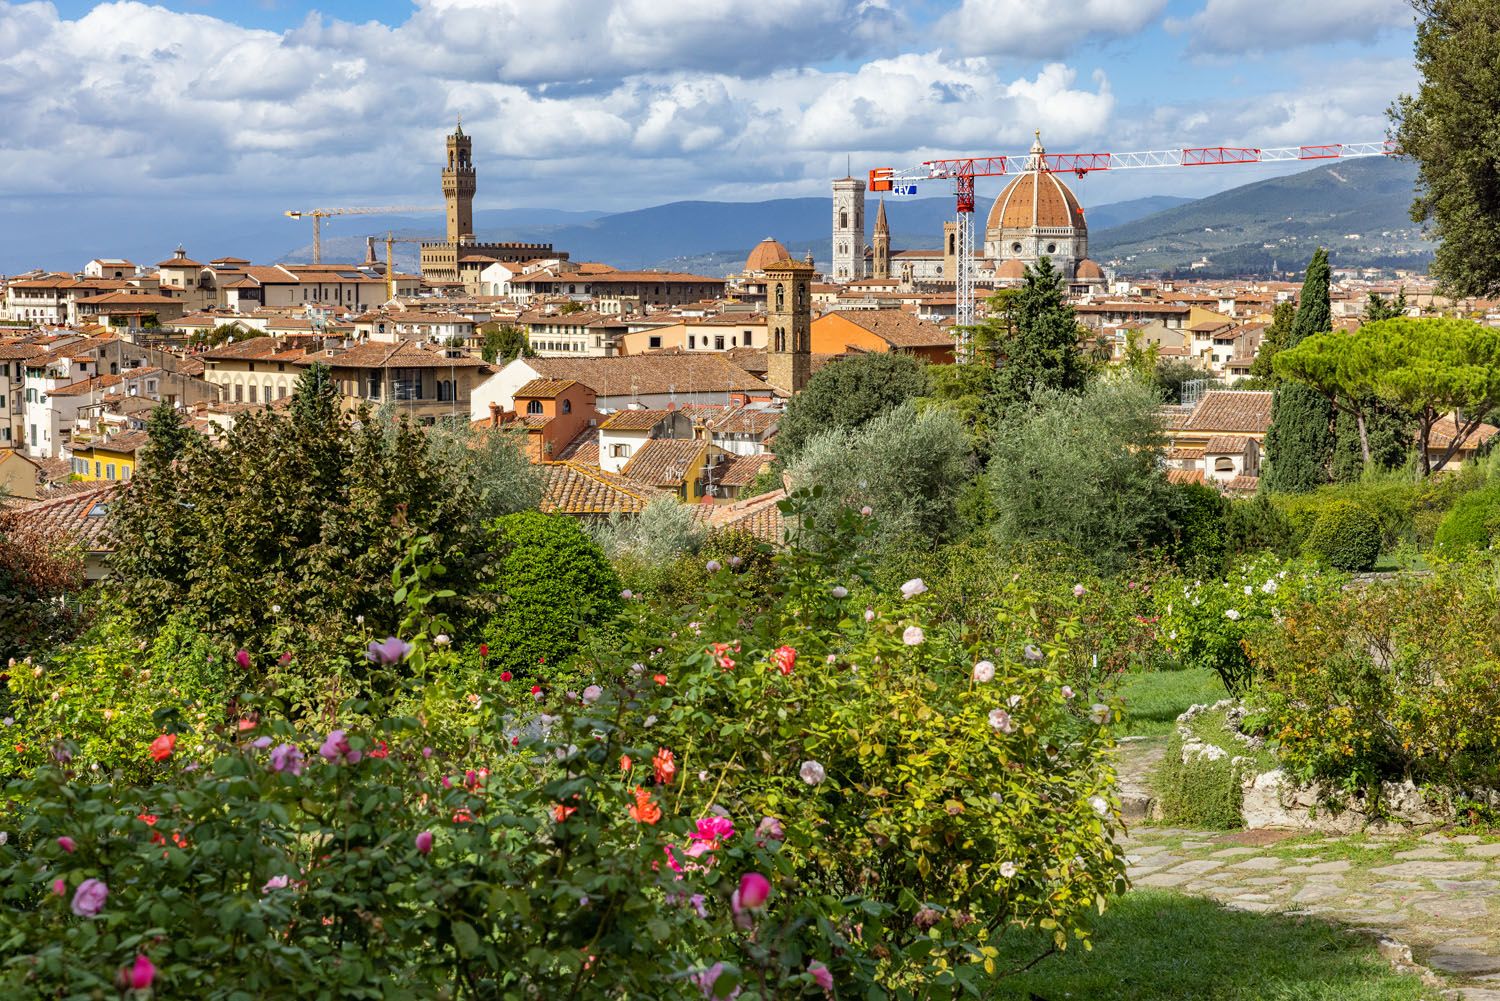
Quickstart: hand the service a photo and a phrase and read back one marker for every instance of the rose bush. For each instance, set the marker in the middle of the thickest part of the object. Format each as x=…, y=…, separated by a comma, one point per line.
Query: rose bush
x=1396, y=680
x=1206, y=622
x=775, y=798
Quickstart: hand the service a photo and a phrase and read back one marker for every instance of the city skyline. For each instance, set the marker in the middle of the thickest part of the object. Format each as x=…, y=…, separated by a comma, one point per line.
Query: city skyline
x=191, y=107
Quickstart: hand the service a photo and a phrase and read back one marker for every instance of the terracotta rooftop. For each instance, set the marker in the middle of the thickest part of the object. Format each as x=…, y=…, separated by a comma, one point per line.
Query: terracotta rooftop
x=79, y=517
x=898, y=328
x=633, y=420
x=1225, y=444
x=651, y=375
x=1232, y=411
x=741, y=470
x=573, y=488
x=664, y=462
x=544, y=389
x=406, y=354
x=760, y=516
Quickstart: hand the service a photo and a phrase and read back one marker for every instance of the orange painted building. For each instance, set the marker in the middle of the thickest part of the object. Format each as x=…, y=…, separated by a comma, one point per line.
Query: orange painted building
x=880, y=331
x=552, y=412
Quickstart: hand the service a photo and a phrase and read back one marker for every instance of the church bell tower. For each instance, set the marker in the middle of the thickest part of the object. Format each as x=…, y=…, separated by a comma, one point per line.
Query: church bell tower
x=789, y=325
x=848, y=229
x=458, y=186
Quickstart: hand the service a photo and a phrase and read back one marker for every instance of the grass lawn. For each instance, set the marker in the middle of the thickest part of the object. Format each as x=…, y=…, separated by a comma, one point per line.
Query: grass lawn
x=1154, y=699
x=1159, y=946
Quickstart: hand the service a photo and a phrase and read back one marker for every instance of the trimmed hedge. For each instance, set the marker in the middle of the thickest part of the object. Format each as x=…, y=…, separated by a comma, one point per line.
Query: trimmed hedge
x=1345, y=536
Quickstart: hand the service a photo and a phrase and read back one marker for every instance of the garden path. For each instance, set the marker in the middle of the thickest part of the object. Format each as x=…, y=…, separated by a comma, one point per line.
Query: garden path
x=1438, y=893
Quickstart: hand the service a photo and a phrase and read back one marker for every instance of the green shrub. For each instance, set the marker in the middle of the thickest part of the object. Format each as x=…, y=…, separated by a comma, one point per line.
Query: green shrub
x=552, y=582
x=1199, y=539
x=1472, y=523
x=1199, y=793
x=1345, y=537
x=1207, y=623
x=1399, y=679
x=1257, y=525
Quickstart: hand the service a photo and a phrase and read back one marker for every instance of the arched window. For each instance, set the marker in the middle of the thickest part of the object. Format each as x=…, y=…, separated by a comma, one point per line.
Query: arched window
x=1223, y=464
x=534, y=407
x=801, y=296
x=780, y=297
x=567, y=406
x=780, y=339
x=843, y=218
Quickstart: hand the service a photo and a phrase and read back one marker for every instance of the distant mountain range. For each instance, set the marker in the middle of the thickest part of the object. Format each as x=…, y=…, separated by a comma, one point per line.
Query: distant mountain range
x=713, y=238
x=1355, y=208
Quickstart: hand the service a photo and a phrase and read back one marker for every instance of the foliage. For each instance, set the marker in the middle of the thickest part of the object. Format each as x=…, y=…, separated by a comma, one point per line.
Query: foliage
x=1171, y=373
x=1345, y=537
x=553, y=581
x=1206, y=622
x=1083, y=470
x=664, y=530
x=1255, y=525
x=968, y=391
x=1197, y=514
x=1198, y=791
x=1472, y=523
x=607, y=845
x=504, y=342
x=1299, y=442
x=1447, y=128
x=907, y=466
x=1283, y=319
x=766, y=481
x=846, y=395
x=305, y=511
x=41, y=577
x=1038, y=342
x=1424, y=369
x=1396, y=680
x=102, y=692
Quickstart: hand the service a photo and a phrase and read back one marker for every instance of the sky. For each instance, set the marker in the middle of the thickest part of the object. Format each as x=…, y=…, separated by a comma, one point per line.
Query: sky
x=129, y=115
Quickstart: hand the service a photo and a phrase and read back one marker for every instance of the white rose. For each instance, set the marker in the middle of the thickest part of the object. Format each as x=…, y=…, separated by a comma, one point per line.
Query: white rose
x=984, y=672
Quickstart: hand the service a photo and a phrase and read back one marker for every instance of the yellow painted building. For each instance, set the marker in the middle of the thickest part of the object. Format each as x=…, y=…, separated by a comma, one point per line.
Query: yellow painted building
x=107, y=459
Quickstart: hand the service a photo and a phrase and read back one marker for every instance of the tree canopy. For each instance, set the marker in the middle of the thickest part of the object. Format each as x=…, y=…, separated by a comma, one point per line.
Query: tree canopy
x=1425, y=368
x=1037, y=339
x=504, y=342
x=1448, y=128
x=846, y=394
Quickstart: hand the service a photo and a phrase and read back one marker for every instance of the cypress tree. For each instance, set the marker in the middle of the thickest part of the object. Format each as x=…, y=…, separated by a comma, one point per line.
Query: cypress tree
x=1299, y=443
x=1040, y=348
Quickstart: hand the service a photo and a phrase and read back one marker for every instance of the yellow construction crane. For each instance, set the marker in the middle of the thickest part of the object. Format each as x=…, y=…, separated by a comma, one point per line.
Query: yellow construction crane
x=390, y=259
x=318, y=215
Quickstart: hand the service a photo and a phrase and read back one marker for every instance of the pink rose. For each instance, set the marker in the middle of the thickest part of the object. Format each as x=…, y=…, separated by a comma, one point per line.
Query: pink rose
x=286, y=758
x=753, y=893
x=67, y=844
x=821, y=975
x=424, y=843
x=142, y=973
x=770, y=829
x=336, y=749
x=88, y=899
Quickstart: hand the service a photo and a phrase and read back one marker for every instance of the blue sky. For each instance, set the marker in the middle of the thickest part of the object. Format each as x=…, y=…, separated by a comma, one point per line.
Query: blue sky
x=189, y=110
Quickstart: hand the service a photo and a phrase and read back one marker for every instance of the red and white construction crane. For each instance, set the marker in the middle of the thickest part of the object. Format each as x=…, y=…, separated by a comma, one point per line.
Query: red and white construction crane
x=963, y=170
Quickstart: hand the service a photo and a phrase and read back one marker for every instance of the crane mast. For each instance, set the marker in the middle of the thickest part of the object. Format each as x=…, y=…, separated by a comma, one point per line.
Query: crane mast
x=318, y=215
x=963, y=170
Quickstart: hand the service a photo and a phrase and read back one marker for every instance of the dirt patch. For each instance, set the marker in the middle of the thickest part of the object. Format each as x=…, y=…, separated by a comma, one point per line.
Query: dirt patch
x=1256, y=838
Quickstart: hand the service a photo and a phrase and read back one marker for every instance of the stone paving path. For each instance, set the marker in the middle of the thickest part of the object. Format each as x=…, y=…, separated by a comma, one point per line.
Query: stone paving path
x=1438, y=893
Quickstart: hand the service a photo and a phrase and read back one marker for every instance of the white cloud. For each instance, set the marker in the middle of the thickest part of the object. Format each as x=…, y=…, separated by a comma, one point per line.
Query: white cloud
x=1042, y=30
x=600, y=41
x=1244, y=26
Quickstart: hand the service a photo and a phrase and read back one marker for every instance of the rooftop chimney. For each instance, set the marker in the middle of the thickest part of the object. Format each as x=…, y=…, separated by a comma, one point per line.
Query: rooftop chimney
x=494, y=415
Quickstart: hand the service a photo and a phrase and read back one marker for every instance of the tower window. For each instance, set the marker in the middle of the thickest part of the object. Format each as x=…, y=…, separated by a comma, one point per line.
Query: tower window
x=843, y=219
